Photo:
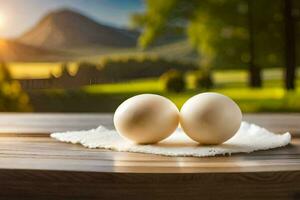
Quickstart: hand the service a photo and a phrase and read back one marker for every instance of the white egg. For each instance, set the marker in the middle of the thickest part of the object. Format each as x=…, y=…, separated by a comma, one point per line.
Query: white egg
x=210, y=118
x=146, y=118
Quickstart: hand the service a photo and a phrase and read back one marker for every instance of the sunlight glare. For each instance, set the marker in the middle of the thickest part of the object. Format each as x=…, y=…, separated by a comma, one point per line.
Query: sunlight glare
x=2, y=21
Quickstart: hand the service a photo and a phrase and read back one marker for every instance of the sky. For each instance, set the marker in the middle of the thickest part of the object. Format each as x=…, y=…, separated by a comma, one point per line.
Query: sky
x=17, y=16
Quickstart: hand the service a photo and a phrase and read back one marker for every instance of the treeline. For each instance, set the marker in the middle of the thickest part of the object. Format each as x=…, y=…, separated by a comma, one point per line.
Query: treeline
x=122, y=68
x=133, y=67
x=244, y=33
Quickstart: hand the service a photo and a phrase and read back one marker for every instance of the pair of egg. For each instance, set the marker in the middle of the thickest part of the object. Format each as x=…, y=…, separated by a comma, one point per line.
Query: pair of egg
x=207, y=118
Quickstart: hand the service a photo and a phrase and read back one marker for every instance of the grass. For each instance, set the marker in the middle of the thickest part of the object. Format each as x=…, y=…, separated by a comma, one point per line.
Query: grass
x=136, y=86
x=268, y=99
x=106, y=97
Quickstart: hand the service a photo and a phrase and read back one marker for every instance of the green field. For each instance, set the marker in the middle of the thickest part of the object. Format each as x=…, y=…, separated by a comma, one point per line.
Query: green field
x=106, y=97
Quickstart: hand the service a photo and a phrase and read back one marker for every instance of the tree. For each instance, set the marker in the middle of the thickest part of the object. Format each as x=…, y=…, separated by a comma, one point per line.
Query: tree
x=12, y=97
x=275, y=36
x=226, y=33
x=290, y=42
x=254, y=70
x=217, y=29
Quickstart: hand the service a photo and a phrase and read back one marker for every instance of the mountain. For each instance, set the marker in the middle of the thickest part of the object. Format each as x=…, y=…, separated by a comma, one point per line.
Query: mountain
x=11, y=50
x=67, y=29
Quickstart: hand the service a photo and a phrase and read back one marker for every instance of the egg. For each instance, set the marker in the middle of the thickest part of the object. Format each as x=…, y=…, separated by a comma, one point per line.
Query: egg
x=210, y=118
x=146, y=118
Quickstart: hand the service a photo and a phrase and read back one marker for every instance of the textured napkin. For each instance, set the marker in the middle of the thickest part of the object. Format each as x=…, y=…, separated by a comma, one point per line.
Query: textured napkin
x=249, y=138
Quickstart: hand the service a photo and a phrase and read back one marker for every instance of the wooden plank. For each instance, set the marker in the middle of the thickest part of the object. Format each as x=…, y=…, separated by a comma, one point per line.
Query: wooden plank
x=47, y=123
x=44, y=153
x=40, y=167
x=29, y=184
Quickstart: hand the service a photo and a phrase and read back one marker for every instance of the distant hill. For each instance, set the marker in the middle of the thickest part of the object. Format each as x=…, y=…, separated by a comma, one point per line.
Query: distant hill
x=67, y=29
x=68, y=35
x=11, y=50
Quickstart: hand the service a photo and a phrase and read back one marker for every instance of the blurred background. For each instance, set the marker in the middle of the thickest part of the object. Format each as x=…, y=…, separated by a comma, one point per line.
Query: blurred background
x=89, y=56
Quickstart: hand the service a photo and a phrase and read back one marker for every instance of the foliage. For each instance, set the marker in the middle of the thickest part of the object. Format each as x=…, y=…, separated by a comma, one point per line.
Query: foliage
x=12, y=97
x=219, y=29
x=203, y=79
x=154, y=20
x=132, y=67
x=65, y=69
x=174, y=81
x=85, y=64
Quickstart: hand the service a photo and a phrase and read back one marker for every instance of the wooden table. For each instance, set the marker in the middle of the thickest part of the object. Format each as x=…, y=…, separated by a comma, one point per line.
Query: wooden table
x=34, y=166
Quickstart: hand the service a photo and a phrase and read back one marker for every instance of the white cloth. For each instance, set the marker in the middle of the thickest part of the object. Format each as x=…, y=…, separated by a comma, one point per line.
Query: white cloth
x=249, y=138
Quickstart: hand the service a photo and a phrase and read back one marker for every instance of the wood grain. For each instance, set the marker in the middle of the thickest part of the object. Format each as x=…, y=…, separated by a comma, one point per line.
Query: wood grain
x=34, y=166
x=82, y=185
x=44, y=153
x=46, y=123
